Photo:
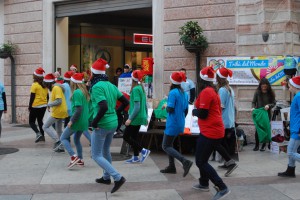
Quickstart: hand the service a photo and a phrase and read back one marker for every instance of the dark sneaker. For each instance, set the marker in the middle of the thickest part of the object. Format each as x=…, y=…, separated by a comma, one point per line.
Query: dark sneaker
x=168, y=170
x=118, y=184
x=201, y=187
x=223, y=166
x=57, y=145
x=59, y=151
x=38, y=137
x=101, y=180
x=42, y=139
x=230, y=169
x=255, y=149
x=221, y=194
x=186, y=167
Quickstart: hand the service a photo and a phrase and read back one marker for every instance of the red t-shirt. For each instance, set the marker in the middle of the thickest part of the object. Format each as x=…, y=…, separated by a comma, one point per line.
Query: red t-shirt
x=119, y=103
x=212, y=126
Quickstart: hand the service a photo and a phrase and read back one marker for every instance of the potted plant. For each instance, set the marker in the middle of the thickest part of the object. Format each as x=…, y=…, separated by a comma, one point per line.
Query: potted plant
x=191, y=36
x=7, y=49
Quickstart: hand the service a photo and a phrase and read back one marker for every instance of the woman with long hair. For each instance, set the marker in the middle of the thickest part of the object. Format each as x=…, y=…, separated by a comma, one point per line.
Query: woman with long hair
x=264, y=96
x=209, y=112
x=79, y=121
x=177, y=108
x=137, y=116
x=38, y=103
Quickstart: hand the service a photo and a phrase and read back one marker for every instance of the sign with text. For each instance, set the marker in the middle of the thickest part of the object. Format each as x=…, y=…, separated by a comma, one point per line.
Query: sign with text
x=142, y=39
x=124, y=85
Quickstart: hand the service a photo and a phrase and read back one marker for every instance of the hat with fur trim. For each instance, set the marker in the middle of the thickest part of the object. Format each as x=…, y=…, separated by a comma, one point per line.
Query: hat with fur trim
x=39, y=72
x=137, y=75
x=77, y=78
x=99, y=66
x=177, y=77
x=73, y=67
x=68, y=75
x=49, y=78
x=295, y=82
x=224, y=72
x=207, y=73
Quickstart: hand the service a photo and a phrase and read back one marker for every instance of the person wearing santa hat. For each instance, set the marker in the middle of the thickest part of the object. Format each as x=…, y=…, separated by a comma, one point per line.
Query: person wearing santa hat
x=137, y=116
x=73, y=68
x=78, y=122
x=226, y=94
x=59, y=111
x=177, y=109
x=67, y=93
x=209, y=112
x=3, y=104
x=104, y=96
x=294, y=143
x=38, y=103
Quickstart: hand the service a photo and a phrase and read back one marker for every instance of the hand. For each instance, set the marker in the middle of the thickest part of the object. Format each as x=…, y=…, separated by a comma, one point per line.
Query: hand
x=69, y=124
x=267, y=107
x=94, y=125
x=127, y=123
x=252, y=109
x=164, y=106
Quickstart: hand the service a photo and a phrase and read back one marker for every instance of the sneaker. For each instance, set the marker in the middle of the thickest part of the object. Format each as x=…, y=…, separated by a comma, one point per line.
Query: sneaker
x=38, y=137
x=56, y=145
x=168, y=170
x=134, y=159
x=186, y=167
x=201, y=187
x=42, y=139
x=145, y=153
x=59, y=151
x=118, y=184
x=230, y=169
x=221, y=194
x=223, y=166
x=255, y=148
x=101, y=180
x=80, y=163
x=74, y=160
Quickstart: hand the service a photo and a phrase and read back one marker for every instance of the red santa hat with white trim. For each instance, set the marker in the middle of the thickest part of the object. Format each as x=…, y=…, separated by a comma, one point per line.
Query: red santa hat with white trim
x=68, y=75
x=137, y=75
x=49, y=78
x=39, y=72
x=207, y=73
x=295, y=82
x=99, y=66
x=223, y=72
x=73, y=67
x=177, y=77
x=77, y=78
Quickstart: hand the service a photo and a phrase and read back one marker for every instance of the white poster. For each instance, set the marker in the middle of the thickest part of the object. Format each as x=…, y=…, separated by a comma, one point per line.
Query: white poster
x=145, y=128
x=192, y=122
x=124, y=85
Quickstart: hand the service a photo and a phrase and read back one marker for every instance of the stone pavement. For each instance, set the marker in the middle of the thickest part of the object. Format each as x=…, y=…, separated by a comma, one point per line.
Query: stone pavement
x=37, y=173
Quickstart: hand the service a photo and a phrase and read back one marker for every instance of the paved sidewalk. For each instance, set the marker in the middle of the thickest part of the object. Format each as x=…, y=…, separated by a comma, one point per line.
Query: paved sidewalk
x=35, y=172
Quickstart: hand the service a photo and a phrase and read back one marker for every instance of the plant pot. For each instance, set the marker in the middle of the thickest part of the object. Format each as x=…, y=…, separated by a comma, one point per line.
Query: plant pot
x=4, y=55
x=193, y=49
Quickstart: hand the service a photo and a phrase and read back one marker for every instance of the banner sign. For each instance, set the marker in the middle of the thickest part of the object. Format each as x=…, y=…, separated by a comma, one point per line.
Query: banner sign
x=142, y=39
x=124, y=85
x=249, y=70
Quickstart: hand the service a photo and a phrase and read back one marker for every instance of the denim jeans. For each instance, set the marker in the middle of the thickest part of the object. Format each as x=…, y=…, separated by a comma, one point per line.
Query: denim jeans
x=205, y=146
x=167, y=146
x=64, y=138
x=87, y=134
x=292, y=152
x=101, y=140
x=50, y=131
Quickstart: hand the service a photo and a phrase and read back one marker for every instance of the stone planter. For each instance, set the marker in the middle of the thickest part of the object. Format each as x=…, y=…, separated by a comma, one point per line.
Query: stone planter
x=4, y=55
x=193, y=49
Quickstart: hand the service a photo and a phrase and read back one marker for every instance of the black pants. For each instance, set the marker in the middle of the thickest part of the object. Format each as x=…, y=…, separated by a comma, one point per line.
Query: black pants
x=37, y=114
x=130, y=136
x=1, y=111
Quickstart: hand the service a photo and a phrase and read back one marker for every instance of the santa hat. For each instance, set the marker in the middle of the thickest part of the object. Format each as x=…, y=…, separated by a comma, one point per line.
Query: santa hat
x=39, y=72
x=49, y=78
x=59, y=80
x=224, y=72
x=68, y=75
x=137, y=75
x=295, y=82
x=73, y=67
x=99, y=66
x=177, y=77
x=77, y=78
x=207, y=73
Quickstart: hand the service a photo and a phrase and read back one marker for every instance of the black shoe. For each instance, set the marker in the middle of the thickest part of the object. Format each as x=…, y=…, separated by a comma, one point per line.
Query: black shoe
x=186, y=167
x=231, y=168
x=101, y=180
x=255, y=148
x=223, y=166
x=59, y=151
x=38, y=137
x=168, y=170
x=118, y=184
x=263, y=147
x=42, y=139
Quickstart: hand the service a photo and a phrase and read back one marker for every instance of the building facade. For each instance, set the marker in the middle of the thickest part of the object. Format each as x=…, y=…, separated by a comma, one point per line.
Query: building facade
x=41, y=29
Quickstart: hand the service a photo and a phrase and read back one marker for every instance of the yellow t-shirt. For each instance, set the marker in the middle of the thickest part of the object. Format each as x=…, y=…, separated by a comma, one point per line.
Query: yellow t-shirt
x=40, y=94
x=60, y=111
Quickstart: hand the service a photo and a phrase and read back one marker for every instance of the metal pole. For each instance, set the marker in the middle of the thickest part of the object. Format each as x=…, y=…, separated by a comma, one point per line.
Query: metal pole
x=197, y=53
x=13, y=89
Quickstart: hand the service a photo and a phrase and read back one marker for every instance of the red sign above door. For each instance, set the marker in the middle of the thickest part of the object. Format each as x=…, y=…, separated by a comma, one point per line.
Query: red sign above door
x=142, y=39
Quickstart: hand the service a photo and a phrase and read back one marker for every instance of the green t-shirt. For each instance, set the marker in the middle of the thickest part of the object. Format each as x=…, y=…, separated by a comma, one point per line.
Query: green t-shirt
x=138, y=94
x=104, y=90
x=78, y=99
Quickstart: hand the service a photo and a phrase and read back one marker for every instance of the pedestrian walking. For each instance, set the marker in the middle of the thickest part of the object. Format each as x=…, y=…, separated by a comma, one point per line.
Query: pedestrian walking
x=3, y=104
x=68, y=94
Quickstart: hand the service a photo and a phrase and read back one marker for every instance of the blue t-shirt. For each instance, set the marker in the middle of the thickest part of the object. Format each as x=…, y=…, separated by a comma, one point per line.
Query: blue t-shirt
x=175, y=120
x=227, y=104
x=187, y=86
x=2, y=89
x=295, y=117
x=125, y=75
x=67, y=93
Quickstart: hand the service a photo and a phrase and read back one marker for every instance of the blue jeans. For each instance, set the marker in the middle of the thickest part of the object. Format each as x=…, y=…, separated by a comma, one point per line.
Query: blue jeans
x=86, y=133
x=167, y=146
x=205, y=146
x=64, y=138
x=292, y=152
x=101, y=140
